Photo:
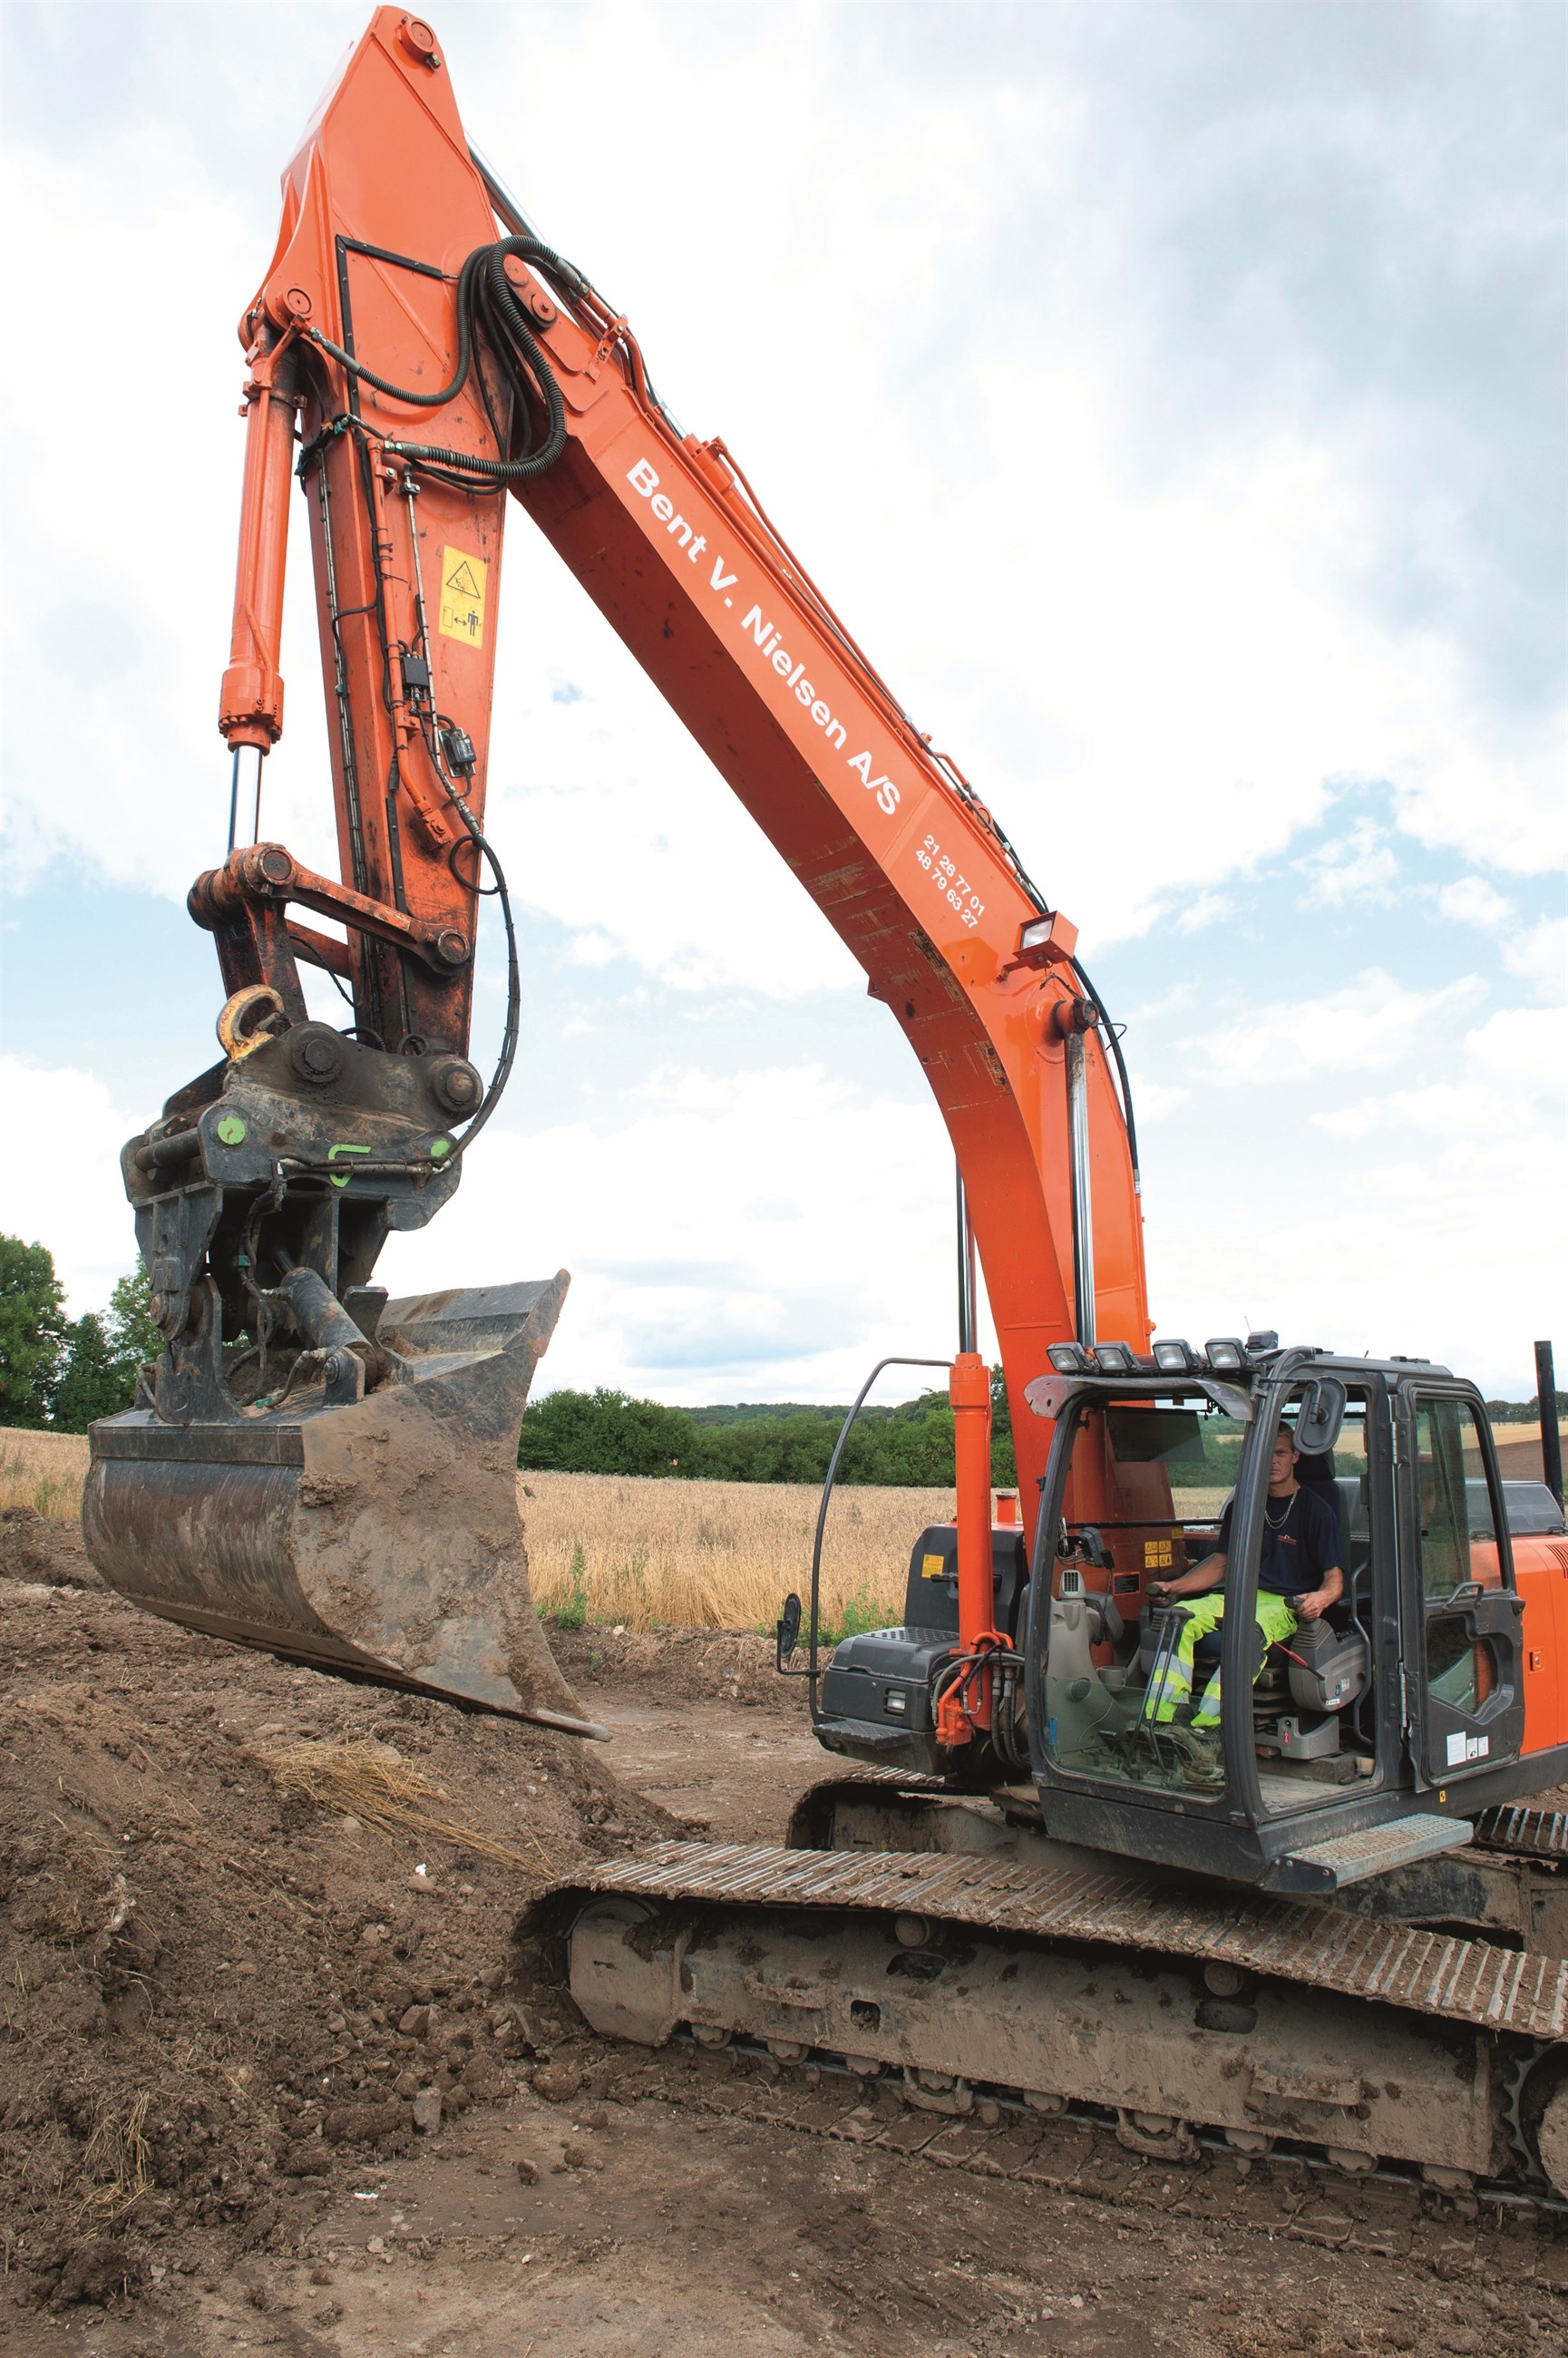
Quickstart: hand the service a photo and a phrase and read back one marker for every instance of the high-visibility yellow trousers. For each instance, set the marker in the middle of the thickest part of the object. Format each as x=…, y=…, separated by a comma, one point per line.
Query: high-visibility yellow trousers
x=1275, y=1620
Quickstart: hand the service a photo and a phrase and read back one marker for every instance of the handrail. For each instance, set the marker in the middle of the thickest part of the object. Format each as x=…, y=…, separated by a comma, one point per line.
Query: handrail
x=895, y=1360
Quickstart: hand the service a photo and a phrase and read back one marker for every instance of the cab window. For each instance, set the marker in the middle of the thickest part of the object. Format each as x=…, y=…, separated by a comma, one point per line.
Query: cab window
x=1457, y=1544
x=1146, y=1484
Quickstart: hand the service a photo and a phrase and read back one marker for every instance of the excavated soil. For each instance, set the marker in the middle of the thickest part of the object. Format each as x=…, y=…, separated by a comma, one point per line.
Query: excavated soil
x=265, y=2085
x=722, y=1666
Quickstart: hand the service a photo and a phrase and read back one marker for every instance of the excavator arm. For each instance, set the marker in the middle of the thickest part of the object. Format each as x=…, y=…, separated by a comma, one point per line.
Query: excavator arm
x=415, y=357
x=895, y=848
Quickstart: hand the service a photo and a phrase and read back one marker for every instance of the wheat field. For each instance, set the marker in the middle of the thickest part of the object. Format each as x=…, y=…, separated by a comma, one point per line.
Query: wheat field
x=637, y=1551
x=43, y=1470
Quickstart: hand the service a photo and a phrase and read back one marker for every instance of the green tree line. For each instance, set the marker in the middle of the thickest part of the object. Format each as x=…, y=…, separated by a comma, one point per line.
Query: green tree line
x=1501, y=1412
x=606, y=1431
x=61, y=1372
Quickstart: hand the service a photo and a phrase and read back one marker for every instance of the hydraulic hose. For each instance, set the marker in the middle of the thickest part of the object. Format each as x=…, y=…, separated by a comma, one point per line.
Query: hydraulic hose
x=488, y=310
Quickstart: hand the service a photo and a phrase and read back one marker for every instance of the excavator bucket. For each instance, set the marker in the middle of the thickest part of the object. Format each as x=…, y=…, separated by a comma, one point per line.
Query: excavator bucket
x=377, y=1538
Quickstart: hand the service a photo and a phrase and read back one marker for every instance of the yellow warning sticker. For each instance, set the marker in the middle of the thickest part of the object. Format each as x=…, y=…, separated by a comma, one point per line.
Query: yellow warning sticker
x=1157, y=1554
x=465, y=581
x=931, y=1567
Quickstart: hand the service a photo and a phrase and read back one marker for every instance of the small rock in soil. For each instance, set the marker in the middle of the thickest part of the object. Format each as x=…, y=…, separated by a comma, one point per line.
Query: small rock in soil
x=557, y=2083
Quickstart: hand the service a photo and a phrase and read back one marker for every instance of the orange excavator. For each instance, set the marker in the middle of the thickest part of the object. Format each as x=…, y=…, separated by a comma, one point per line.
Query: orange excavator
x=1335, y=1925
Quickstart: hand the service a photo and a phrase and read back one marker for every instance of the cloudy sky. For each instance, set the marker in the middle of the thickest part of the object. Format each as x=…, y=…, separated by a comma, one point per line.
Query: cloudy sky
x=1169, y=396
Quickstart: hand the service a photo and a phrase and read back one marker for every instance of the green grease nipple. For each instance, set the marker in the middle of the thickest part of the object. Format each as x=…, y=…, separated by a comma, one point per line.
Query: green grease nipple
x=439, y=1149
x=232, y=1130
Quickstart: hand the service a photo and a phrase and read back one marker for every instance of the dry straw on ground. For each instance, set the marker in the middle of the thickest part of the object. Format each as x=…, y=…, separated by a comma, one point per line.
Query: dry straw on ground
x=365, y=1782
x=116, y=2163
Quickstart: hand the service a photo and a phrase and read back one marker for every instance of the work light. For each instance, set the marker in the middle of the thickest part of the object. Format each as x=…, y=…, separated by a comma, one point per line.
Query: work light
x=1044, y=940
x=1226, y=1355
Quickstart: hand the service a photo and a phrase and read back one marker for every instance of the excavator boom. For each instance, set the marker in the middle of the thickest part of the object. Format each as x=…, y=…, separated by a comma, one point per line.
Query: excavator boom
x=409, y=368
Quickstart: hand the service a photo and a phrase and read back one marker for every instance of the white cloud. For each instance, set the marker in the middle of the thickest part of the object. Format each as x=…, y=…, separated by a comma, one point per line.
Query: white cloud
x=1471, y=901
x=1373, y=1022
x=623, y=830
x=1541, y=957
x=1204, y=909
x=591, y=947
x=60, y=1181
x=1154, y=1099
x=1424, y=1218
x=1358, y=867
x=775, y=1222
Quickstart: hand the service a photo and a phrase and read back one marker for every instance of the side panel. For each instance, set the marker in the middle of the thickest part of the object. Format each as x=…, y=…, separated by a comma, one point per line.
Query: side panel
x=1541, y=1574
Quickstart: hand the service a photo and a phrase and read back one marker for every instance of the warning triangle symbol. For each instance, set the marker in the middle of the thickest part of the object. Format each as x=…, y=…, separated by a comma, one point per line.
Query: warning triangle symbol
x=463, y=582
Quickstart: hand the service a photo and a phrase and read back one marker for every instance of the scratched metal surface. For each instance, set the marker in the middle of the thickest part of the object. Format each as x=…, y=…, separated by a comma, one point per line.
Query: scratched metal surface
x=1427, y=1972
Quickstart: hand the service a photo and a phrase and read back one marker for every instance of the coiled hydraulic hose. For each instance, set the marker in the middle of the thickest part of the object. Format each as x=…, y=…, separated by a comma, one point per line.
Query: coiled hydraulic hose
x=488, y=311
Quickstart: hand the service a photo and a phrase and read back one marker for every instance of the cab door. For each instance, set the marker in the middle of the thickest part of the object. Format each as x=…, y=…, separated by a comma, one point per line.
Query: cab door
x=1463, y=1656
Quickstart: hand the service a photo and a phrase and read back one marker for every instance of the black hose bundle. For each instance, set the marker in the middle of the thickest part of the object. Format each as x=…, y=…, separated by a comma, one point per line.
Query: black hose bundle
x=489, y=311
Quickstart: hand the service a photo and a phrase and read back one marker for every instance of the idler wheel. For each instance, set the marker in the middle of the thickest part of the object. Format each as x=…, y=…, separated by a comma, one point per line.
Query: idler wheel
x=1551, y=2139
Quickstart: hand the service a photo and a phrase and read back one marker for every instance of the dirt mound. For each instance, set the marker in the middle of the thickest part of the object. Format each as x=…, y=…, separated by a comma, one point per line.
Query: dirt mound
x=693, y=1665
x=219, y=1990
x=37, y=1548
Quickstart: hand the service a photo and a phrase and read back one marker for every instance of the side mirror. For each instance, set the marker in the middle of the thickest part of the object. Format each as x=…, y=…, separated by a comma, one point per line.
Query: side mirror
x=1321, y=1416
x=787, y=1633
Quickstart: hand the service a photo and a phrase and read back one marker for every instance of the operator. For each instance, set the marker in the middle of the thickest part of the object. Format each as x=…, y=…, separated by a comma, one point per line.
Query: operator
x=1299, y=1577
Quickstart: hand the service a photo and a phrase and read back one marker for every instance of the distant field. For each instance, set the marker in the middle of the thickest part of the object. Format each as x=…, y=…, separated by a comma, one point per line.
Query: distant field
x=637, y=1551
x=44, y=1471
x=1193, y=1506
x=631, y=1549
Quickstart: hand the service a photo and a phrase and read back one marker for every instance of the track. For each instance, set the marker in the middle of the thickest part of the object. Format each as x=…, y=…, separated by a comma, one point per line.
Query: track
x=1004, y=2136
x=972, y=1982
x=1523, y=1832
x=1429, y=1972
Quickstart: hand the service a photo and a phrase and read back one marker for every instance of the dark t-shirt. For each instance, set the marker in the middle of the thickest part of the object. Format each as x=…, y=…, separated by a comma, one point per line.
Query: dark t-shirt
x=1294, y=1557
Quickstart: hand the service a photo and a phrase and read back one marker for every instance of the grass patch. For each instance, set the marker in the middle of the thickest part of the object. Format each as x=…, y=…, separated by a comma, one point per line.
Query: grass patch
x=861, y=1612
x=571, y=1611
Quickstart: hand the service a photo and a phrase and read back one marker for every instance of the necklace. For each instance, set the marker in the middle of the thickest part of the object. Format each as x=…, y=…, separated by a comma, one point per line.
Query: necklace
x=1285, y=1518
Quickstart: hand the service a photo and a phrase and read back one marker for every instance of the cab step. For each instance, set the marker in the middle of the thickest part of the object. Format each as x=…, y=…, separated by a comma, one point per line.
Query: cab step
x=1345, y=1859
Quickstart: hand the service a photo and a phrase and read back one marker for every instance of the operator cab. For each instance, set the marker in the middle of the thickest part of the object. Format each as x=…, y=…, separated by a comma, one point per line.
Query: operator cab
x=1400, y=1706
